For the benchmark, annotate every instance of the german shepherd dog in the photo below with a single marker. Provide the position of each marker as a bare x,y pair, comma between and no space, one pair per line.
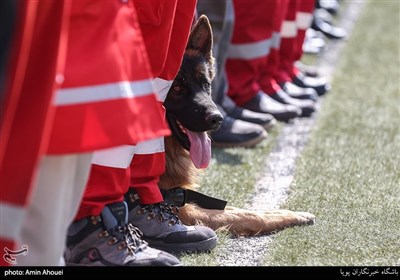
191,114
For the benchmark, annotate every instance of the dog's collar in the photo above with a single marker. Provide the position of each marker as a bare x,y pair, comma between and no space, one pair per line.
179,196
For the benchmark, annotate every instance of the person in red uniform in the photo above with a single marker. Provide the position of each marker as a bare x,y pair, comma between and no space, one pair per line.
134,171
298,19
36,36
253,59
94,54
166,37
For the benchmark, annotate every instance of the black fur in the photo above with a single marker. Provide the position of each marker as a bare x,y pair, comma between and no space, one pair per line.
189,101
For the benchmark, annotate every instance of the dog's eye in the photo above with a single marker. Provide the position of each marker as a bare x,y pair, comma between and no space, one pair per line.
177,88
207,86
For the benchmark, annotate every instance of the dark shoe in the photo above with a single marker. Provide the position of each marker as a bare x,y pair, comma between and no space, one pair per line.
310,47
332,6
108,240
265,120
307,70
300,93
329,30
162,228
307,106
265,104
324,15
313,42
319,84
238,133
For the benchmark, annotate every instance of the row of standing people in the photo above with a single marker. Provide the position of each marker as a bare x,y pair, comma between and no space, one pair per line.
258,45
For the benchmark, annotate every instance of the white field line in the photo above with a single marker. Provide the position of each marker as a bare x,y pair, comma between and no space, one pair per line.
273,188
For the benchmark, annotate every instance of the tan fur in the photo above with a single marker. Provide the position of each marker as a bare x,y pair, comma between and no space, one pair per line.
180,172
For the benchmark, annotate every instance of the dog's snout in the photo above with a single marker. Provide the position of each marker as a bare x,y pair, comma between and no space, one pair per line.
214,120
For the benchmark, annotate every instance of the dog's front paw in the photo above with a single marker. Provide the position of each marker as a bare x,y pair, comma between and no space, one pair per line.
308,216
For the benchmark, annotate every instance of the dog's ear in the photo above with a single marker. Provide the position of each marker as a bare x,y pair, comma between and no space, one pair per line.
201,37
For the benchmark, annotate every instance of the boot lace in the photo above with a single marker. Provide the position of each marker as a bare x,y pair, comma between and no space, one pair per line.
162,212
129,237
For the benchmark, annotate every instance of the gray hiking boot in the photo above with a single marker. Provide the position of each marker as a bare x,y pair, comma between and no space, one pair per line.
108,240
162,228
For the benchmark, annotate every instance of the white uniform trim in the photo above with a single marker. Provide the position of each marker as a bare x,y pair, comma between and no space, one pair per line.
150,146
117,157
276,40
11,220
289,29
121,157
161,87
98,93
303,20
250,50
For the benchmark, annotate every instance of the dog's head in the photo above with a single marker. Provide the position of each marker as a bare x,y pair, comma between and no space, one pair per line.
191,112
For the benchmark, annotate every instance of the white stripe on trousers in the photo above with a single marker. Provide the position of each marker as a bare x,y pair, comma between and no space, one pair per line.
250,51
276,40
121,157
105,92
288,29
303,20
161,87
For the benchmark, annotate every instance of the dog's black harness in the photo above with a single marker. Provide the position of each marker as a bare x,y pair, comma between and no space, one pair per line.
179,196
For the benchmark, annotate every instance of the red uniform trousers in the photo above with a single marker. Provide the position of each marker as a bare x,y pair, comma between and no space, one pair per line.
268,80
249,54
165,27
298,19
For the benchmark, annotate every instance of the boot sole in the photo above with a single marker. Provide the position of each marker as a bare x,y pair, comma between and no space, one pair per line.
179,248
246,144
270,125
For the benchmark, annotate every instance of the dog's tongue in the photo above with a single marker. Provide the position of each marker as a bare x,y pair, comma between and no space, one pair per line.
200,148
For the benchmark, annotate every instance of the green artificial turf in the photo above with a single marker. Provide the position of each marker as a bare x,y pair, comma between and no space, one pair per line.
349,174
